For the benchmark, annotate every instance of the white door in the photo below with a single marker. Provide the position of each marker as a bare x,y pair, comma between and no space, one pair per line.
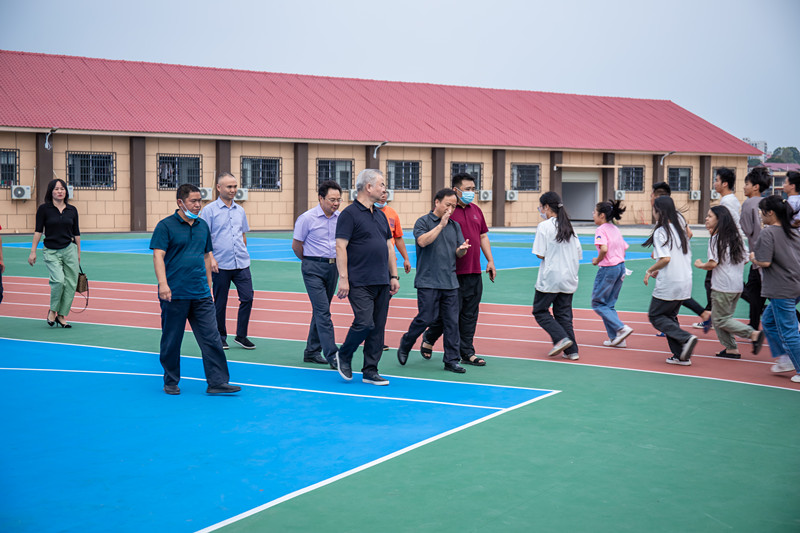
579,192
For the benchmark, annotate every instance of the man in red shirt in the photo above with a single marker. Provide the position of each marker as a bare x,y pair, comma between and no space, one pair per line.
468,270
397,229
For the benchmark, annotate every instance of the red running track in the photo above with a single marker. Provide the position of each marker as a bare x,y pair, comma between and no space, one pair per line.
503,330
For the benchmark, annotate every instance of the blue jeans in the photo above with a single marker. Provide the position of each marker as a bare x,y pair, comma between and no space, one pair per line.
779,323
607,285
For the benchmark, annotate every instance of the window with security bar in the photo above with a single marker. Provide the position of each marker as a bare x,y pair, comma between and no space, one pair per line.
261,173
338,170
402,175
525,177
9,168
473,169
91,170
175,170
631,179
679,178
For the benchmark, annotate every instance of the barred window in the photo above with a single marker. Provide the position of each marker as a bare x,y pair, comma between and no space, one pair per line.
91,170
402,175
9,168
261,173
338,170
525,177
473,169
175,170
679,178
631,179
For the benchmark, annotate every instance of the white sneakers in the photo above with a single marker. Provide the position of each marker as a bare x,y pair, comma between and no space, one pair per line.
622,334
782,364
620,345
560,346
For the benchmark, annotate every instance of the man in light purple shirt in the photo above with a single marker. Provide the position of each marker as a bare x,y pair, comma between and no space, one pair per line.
230,260
314,243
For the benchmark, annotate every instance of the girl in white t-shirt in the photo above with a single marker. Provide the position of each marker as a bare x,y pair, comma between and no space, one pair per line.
673,273
560,251
726,259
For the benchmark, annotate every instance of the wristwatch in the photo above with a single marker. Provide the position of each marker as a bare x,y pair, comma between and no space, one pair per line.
395,277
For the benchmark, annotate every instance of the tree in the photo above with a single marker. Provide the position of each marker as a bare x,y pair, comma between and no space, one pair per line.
785,155
753,162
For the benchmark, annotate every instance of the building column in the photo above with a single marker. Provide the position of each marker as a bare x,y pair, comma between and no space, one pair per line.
658,170
372,162
44,166
300,179
556,158
607,187
223,158
499,188
138,195
438,176
705,187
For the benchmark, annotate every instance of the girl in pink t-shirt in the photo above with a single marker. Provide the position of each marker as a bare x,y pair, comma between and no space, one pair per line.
611,260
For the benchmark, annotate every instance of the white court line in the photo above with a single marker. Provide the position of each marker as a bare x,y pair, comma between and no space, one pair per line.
363,467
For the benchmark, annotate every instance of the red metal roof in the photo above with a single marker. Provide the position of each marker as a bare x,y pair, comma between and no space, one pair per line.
77,93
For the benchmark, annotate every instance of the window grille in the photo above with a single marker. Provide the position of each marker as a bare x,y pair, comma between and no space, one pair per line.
338,170
91,170
175,170
9,168
525,177
679,178
261,173
631,179
473,169
403,175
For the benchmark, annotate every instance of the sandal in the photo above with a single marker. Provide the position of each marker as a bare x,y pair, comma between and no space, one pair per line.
725,354
474,360
758,343
427,353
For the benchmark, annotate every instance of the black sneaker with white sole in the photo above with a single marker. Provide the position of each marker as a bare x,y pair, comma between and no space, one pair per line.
245,343
343,367
374,378
688,347
224,344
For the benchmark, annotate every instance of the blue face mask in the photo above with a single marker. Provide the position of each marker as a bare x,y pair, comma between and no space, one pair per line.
467,196
380,205
188,213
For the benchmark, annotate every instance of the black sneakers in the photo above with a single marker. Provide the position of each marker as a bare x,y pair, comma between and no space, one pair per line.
244,342
223,388
374,378
224,344
344,368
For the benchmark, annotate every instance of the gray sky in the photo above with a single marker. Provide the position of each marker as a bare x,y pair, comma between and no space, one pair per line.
732,62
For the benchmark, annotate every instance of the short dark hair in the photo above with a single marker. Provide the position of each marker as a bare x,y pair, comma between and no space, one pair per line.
759,177
326,186
442,194
661,188
793,177
727,176
460,177
224,175
185,190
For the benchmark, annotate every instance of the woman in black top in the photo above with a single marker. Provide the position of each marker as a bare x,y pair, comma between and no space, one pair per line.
62,249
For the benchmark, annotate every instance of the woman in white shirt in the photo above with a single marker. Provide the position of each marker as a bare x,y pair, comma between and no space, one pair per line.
673,273
726,259
560,251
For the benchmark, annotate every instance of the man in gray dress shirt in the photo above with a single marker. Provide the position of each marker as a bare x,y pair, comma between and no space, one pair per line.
439,242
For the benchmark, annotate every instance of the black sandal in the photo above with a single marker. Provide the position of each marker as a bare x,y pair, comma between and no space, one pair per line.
474,360
725,354
758,343
427,353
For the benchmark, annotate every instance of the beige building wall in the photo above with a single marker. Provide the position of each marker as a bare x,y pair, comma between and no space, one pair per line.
19,216
464,155
636,203
524,212
410,205
356,154
266,209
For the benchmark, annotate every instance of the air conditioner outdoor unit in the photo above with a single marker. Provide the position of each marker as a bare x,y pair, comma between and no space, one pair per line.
694,195
714,195
512,196
70,192
389,195
485,196
241,195
353,194
619,195
21,192
206,194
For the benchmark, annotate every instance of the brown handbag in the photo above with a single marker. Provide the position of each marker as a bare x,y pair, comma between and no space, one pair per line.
82,288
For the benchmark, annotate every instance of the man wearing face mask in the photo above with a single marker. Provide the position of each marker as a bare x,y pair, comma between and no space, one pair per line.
181,245
468,270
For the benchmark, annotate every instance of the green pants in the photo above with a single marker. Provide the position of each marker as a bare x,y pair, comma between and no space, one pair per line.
63,267
723,305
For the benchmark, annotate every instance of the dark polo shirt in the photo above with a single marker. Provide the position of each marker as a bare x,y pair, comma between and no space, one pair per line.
436,263
185,246
366,231
473,225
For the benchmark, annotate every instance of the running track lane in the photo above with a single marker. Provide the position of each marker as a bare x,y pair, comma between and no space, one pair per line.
503,330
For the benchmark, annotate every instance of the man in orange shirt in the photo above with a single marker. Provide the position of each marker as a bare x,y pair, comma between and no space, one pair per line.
397,234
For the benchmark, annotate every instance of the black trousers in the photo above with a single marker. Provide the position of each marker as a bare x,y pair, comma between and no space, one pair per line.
320,280
707,286
752,295
663,315
694,306
370,306
244,286
559,324
470,290
200,314
433,304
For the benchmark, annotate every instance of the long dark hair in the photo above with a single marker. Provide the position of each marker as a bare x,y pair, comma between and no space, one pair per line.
728,239
612,210
783,212
564,231
666,214
48,195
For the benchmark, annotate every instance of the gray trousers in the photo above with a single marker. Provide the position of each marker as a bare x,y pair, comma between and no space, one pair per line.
320,280
723,305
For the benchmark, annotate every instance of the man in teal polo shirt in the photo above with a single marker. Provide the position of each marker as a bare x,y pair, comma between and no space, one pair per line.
181,245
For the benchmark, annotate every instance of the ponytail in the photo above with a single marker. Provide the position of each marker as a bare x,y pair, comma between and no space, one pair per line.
612,210
783,212
564,231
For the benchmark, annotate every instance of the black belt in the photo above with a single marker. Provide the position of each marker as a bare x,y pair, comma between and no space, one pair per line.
331,260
